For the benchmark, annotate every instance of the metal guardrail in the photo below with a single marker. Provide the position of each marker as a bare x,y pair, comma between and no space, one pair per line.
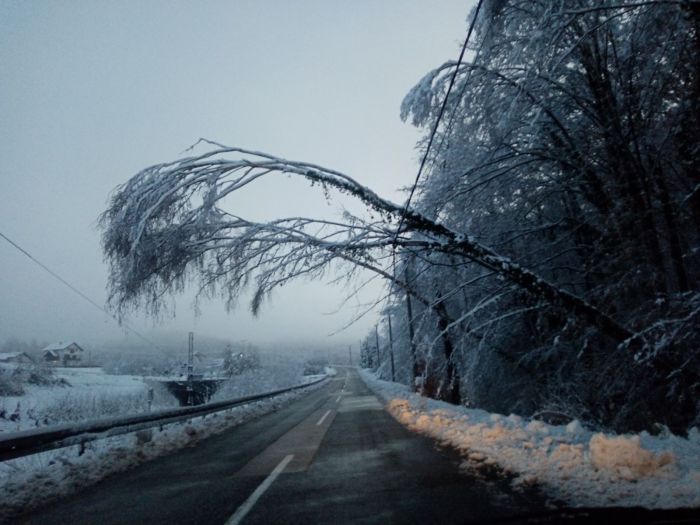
27,442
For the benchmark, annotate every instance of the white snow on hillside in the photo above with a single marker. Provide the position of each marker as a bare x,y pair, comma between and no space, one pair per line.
568,462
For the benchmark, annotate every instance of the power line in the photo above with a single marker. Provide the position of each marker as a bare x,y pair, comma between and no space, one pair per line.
432,138
54,274
465,84
78,292
437,121
430,143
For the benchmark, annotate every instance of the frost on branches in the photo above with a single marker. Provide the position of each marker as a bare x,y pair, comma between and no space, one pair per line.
570,144
550,261
169,224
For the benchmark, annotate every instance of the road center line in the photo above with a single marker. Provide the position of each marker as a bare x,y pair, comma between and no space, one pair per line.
253,498
323,418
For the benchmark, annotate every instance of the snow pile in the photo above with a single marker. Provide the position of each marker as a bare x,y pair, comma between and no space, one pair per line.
33,481
626,457
569,463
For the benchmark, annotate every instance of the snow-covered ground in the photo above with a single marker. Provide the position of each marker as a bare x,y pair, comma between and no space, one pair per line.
569,463
90,393
34,480
85,393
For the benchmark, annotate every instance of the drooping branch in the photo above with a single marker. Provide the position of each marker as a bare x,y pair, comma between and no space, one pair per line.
168,224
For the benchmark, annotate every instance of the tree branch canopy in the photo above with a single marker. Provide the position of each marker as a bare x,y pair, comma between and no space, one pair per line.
570,146
168,225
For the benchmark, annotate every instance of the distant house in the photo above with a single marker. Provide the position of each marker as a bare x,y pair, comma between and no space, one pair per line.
16,358
63,353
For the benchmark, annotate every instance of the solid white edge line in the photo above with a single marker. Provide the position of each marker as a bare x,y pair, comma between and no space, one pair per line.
323,418
241,512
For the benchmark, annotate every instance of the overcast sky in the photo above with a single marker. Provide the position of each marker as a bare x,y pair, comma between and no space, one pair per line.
93,91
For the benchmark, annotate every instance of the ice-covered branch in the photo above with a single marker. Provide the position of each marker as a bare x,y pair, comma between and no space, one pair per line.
168,224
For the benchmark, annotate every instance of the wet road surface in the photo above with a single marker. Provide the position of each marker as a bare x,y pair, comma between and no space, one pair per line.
334,456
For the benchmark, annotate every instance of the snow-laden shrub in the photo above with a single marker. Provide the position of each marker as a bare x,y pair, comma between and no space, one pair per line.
10,382
259,380
14,378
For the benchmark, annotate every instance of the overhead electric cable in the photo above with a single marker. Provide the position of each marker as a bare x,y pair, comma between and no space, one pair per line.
430,142
465,84
432,138
437,121
78,292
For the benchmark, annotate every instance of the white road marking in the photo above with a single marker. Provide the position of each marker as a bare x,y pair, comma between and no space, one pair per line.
338,400
323,418
352,404
255,496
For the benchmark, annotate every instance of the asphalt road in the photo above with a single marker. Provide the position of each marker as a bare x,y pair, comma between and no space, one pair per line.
335,456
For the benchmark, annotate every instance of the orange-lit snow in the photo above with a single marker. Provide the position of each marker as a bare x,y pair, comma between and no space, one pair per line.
568,462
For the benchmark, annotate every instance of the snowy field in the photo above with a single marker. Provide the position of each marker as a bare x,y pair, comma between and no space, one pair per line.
34,480
569,463
90,393
85,393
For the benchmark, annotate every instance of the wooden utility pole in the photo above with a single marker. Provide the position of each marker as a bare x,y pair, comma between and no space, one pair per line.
190,369
376,337
391,350
411,332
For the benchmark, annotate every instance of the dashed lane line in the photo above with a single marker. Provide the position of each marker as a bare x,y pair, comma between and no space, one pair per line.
248,504
323,418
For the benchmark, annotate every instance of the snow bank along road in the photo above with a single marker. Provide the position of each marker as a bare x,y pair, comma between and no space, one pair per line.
335,456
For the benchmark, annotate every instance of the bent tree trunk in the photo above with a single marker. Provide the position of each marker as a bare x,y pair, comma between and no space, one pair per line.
466,247
157,234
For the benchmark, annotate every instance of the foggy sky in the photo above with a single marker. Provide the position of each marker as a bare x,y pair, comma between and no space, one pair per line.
92,92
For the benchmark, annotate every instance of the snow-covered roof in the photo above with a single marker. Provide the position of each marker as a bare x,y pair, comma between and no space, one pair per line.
8,356
59,346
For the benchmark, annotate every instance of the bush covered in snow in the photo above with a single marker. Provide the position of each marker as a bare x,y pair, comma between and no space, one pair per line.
15,378
272,375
